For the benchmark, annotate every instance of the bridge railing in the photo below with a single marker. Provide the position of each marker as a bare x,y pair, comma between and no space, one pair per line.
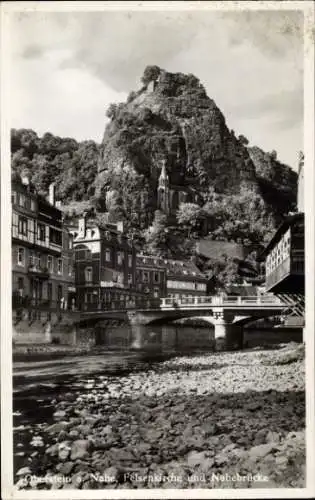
120,305
218,300
185,302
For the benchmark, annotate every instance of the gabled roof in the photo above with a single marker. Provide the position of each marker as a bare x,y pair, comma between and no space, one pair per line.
183,268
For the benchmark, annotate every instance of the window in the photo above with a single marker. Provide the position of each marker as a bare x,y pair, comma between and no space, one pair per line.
49,291
107,255
21,286
119,258
31,259
21,257
88,275
59,266
55,236
22,200
129,279
129,260
156,277
23,226
41,232
33,206
70,270
156,293
13,198
38,260
59,292
49,263
145,276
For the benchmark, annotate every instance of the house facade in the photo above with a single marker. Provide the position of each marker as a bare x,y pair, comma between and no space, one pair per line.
105,262
184,279
284,257
151,276
43,280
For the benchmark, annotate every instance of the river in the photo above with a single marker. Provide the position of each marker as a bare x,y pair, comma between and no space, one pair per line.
41,386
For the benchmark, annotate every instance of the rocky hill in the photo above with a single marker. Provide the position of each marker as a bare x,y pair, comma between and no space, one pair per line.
244,192
171,118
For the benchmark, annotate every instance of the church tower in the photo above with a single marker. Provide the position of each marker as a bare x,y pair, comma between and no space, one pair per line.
164,191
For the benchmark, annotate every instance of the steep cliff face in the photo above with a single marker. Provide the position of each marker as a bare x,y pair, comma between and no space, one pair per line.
277,182
243,192
171,119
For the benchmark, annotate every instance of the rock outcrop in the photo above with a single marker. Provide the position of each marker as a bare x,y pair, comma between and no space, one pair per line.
171,119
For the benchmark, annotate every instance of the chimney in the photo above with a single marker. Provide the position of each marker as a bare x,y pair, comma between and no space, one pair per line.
52,191
82,226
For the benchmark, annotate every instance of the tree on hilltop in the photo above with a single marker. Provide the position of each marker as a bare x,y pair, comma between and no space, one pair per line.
151,73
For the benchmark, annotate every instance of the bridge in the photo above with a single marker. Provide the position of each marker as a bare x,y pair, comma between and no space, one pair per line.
227,314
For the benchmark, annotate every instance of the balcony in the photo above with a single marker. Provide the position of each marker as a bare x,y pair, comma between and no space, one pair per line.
19,302
39,271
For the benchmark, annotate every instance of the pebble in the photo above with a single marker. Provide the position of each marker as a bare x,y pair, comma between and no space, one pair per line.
79,449
191,415
59,414
23,471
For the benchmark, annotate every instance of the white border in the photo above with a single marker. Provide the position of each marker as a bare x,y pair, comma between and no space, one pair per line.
6,314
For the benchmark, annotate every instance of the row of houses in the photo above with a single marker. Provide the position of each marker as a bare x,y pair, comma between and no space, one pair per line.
57,266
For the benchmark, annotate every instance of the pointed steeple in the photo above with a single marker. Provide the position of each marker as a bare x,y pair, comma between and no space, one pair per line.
163,174
163,190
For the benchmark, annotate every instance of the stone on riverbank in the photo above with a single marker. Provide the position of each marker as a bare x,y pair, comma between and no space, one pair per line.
79,449
201,417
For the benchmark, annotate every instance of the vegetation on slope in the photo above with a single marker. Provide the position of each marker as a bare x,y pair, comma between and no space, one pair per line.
243,192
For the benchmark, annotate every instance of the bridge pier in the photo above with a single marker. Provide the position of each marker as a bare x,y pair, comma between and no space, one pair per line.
228,336
144,338
138,333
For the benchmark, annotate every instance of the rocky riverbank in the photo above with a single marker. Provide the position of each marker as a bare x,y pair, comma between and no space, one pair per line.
228,420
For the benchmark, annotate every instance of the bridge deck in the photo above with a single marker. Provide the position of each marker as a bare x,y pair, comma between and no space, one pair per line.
167,305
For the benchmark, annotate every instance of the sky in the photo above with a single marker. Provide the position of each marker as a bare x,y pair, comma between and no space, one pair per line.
66,68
